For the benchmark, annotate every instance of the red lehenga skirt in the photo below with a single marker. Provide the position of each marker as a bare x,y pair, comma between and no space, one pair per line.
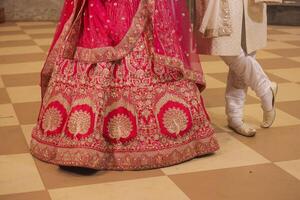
120,96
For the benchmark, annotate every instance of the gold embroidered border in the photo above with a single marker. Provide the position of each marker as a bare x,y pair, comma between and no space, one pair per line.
189,74
94,159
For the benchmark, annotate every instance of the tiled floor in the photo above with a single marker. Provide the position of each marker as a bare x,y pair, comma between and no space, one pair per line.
266,167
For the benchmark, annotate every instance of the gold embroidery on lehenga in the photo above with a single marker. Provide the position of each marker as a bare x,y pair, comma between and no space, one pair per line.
51,119
175,120
79,122
119,126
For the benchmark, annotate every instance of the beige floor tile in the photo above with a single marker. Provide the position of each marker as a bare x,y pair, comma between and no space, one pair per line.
14,37
278,63
22,58
19,50
297,43
275,78
297,59
294,52
12,140
280,45
27,131
286,92
207,58
38,31
26,24
291,166
10,28
291,74
27,112
157,188
19,174
213,83
44,36
291,30
262,54
259,182
252,115
223,77
4,98
28,79
216,97
18,43
220,76
44,41
45,48
17,32
56,177
24,94
275,31
214,67
291,107
8,116
276,143
21,68
1,82
233,153
7,24
39,195
284,37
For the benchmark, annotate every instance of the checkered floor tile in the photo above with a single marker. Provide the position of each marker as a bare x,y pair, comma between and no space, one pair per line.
266,167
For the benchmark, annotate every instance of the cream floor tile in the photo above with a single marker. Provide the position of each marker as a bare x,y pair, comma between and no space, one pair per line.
8,115
4,38
214,67
284,37
292,167
252,115
291,74
157,188
10,28
21,68
279,45
233,153
37,31
27,130
213,83
24,94
286,92
20,50
44,41
265,54
18,173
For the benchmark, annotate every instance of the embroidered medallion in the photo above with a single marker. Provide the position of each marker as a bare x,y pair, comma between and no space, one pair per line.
81,121
119,125
54,118
173,116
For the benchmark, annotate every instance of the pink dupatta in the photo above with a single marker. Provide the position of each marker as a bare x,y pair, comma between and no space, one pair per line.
94,31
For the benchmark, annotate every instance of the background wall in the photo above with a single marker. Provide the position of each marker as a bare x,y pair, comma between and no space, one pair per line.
28,10
35,10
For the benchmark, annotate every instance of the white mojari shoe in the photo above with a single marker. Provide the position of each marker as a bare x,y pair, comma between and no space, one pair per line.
244,129
269,116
